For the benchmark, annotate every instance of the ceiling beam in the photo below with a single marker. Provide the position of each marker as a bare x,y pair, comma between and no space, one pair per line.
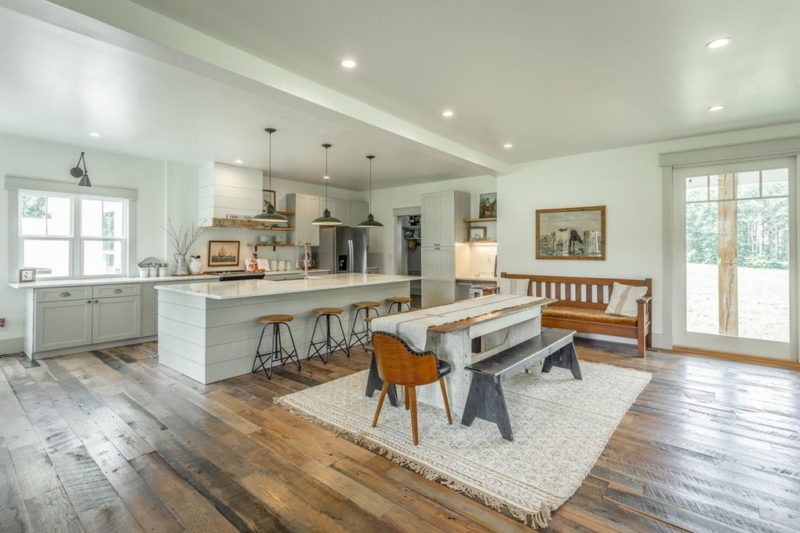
135,28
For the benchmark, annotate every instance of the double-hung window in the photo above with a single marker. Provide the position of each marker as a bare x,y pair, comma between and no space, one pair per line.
66,236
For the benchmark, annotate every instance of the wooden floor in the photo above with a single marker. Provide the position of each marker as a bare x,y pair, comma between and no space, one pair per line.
111,441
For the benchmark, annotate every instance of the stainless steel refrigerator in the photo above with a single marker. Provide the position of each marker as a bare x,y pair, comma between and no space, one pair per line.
342,249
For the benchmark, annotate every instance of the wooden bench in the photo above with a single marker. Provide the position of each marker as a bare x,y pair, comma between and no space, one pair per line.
486,400
580,304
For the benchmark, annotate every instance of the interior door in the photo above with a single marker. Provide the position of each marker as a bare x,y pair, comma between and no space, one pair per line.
734,258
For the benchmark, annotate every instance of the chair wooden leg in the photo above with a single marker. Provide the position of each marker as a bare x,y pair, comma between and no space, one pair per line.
405,396
414,432
384,390
446,402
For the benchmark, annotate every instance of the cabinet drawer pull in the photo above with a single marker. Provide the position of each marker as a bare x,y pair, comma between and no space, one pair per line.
65,294
97,301
117,291
88,301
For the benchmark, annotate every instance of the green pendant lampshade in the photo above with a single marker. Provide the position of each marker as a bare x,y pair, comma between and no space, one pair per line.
370,222
269,214
326,219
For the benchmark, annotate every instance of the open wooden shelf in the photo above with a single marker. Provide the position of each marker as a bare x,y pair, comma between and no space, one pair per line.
471,220
258,245
285,213
247,224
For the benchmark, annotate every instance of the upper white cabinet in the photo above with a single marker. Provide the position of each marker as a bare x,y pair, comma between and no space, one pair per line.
443,215
306,208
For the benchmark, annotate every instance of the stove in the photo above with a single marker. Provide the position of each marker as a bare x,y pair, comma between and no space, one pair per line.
236,275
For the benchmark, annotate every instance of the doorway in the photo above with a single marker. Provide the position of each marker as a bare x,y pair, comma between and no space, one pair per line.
408,249
734,258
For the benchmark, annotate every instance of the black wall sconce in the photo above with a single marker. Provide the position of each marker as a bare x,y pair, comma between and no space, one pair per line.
82,173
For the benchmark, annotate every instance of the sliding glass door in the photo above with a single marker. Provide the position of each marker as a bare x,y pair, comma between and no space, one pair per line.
734,259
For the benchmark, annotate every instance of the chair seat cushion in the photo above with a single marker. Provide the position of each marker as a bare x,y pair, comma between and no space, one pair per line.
587,315
444,368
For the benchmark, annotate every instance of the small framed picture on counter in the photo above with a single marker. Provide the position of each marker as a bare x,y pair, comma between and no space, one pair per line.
27,275
223,253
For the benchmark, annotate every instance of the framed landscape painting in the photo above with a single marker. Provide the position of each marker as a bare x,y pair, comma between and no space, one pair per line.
223,253
487,206
571,233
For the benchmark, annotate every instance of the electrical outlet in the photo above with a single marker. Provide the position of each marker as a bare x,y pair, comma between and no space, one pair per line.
2,324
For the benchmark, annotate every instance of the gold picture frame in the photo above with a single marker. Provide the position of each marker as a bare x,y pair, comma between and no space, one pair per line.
221,253
571,233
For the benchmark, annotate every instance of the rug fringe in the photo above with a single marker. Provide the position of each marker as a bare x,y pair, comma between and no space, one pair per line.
536,520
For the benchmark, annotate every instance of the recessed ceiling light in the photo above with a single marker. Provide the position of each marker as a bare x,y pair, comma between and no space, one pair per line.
349,63
718,43
447,113
326,177
717,107
94,134
238,161
508,146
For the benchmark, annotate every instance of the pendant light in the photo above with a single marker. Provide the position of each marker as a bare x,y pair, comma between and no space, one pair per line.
326,219
269,214
370,222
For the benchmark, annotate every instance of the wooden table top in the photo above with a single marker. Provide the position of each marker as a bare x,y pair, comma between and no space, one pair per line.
466,323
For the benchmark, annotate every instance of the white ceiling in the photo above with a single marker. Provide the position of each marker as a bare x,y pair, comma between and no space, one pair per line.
61,85
552,76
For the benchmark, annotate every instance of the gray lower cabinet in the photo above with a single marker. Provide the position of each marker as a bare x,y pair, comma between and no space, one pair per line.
74,317
63,324
115,319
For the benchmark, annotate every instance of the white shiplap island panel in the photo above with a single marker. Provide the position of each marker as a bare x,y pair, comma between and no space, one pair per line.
208,331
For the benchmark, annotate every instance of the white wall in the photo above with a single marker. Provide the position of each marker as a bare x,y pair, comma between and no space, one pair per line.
384,201
52,161
628,182
167,190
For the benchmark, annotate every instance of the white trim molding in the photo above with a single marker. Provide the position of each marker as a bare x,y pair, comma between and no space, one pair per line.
36,184
734,152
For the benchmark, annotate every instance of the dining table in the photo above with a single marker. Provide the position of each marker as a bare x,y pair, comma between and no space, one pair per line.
464,333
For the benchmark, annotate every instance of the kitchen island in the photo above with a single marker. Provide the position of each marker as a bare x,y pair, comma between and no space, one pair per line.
208,331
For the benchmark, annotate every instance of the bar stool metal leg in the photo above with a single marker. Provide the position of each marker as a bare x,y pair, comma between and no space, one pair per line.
293,353
313,345
363,336
343,343
263,361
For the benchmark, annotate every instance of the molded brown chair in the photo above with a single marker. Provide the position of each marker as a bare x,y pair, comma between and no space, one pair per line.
398,364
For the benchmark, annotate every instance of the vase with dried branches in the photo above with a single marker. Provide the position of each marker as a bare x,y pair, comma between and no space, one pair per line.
181,239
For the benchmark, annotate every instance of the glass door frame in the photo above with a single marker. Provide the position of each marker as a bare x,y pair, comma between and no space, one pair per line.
721,343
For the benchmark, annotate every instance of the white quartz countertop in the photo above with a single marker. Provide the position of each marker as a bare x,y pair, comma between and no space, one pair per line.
47,284
228,290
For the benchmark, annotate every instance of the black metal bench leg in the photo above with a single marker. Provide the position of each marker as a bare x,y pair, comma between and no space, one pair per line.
485,400
567,358
375,383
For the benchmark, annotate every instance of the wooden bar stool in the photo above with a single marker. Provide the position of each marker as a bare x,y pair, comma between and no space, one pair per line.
398,301
328,342
398,364
263,361
362,336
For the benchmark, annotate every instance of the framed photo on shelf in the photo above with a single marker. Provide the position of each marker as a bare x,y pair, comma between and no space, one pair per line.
577,233
270,198
477,233
223,253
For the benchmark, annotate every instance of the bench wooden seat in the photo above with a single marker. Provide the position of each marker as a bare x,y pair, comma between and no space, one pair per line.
580,304
485,400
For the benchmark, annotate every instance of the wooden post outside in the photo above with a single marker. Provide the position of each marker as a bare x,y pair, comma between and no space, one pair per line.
728,255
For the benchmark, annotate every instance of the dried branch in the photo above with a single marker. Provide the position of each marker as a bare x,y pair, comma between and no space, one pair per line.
182,239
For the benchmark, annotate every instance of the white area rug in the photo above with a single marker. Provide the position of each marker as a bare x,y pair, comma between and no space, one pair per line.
560,424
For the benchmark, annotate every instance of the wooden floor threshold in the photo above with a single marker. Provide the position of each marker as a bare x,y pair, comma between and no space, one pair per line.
730,356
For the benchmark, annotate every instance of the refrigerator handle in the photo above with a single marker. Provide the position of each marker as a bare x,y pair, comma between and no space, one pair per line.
350,264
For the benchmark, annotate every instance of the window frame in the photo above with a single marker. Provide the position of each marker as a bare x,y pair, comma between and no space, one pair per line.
76,240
